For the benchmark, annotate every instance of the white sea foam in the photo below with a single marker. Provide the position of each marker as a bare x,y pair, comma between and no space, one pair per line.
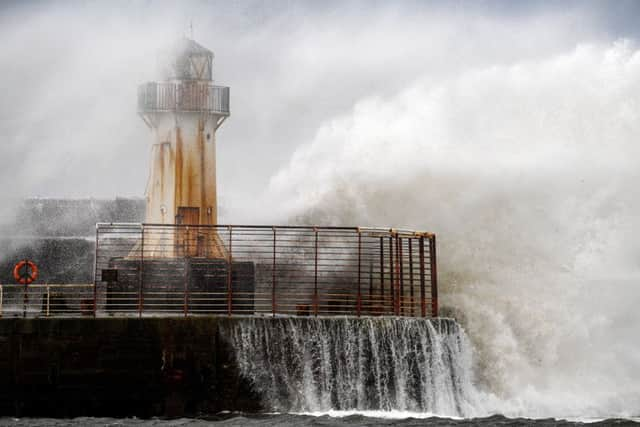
401,415
528,172
393,415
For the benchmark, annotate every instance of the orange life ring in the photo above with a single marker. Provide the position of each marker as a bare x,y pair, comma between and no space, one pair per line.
25,279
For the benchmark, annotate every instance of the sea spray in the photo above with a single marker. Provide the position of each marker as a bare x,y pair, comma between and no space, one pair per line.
321,364
527,171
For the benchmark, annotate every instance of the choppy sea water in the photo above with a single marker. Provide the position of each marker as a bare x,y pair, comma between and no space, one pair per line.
352,420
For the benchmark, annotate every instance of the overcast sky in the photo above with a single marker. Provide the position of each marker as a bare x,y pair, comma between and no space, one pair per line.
70,71
509,128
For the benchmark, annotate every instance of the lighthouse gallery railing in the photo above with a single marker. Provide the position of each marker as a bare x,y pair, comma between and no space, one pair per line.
187,96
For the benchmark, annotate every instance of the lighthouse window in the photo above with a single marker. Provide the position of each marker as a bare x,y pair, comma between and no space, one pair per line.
208,136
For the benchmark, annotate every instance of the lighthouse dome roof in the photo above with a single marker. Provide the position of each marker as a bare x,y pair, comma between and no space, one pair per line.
191,47
186,59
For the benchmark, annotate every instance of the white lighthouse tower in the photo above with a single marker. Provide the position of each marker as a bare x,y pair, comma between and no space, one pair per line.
184,111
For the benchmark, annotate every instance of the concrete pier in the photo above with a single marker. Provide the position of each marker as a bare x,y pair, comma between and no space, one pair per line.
118,367
201,365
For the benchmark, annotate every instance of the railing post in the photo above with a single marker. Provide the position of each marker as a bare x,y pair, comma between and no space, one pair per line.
411,292
273,278
1,299
95,275
26,300
229,284
370,300
49,300
392,281
400,275
423,305
141,275
359,302
434,276
187,267
382,273
25,295
315,275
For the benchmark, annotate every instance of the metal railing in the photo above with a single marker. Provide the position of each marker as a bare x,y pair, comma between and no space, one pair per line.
187,96
225,269
47,300
159,270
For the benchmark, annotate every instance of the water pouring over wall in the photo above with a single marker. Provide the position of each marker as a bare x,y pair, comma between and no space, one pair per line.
321,364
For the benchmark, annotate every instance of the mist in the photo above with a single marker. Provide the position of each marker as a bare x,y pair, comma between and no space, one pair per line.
71,70
509,130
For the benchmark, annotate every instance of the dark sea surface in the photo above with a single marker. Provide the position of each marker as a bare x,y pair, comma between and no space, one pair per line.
309,420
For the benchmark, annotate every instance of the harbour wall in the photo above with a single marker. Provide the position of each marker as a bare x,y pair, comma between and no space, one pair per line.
145,367
118,367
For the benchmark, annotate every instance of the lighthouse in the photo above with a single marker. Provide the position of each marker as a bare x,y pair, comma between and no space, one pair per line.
183,112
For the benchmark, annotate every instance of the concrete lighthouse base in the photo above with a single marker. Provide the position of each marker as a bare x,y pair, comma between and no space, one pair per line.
195,285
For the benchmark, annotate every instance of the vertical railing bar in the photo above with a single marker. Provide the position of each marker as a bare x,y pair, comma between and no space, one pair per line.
95,274
273,278
1,298
25,295
370,300
434,275
382,273
49,299
392,276
411,292
141,275
186,275
400,275
423,307
359,303
229,285
315,279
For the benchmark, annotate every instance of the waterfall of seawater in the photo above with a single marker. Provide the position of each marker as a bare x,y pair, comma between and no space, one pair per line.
321,364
